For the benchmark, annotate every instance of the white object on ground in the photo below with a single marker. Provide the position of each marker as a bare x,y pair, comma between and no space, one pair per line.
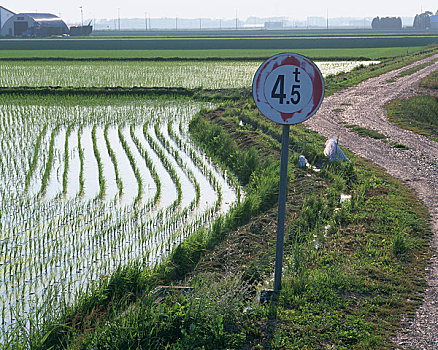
303,161
332,150
345,197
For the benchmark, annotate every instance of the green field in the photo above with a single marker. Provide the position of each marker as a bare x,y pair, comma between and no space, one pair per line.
227,44
215,43
257,54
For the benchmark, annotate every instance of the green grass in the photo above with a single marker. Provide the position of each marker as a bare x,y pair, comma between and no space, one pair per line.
359,74
431,81
415,69
399,145
215,42
257,54
361,131
418,113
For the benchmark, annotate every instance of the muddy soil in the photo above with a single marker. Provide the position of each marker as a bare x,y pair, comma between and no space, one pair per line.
363,105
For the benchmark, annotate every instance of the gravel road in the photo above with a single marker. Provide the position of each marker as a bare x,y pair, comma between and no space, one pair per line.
418,166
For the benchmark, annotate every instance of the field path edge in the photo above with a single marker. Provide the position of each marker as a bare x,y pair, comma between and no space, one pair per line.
363,105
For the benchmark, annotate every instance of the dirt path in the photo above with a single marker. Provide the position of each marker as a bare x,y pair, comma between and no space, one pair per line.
418,166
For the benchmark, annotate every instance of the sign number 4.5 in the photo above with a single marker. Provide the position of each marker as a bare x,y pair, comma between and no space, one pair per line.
285,89
279,86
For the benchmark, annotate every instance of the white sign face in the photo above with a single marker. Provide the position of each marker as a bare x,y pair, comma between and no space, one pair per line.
288,88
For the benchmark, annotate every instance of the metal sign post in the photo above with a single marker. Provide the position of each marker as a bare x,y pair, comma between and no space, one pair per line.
281,208
287,89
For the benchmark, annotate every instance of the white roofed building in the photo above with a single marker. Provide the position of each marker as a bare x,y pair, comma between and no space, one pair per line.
33,25
5,14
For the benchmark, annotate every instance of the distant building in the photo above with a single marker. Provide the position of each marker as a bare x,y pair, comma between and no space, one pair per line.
274,25
5,14
30,25
81,30
387,23
434,22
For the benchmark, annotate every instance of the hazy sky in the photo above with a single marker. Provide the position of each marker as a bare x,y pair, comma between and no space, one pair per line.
294,9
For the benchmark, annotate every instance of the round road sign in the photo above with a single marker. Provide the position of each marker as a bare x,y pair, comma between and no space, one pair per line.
288,88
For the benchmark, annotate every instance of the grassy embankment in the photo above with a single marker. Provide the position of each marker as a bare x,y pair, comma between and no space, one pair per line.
351,270
418,113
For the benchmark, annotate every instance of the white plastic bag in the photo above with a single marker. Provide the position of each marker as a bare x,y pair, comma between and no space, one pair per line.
333,152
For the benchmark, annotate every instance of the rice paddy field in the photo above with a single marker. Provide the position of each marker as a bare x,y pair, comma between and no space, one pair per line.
92,186
187,74
90,183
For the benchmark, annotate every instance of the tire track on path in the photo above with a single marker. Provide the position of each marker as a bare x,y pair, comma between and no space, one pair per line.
363,105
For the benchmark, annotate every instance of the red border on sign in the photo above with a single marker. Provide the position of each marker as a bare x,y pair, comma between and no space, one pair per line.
288,59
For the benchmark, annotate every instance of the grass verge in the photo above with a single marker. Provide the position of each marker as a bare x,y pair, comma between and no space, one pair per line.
361,131
415,69
417,113
359,74
431,81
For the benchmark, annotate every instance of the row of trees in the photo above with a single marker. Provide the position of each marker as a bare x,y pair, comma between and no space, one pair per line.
421,22
387,23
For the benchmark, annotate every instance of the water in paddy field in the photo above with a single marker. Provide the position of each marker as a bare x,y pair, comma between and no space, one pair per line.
229,195
74,165
168,189
111,189
187,187
149,187
36,179
54,187
333,67
55,245
207,193
91,173
127,176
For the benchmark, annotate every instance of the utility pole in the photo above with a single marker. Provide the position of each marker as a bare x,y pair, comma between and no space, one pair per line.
146,21
200,24
176,23
327,20
236,19
118,12
82,16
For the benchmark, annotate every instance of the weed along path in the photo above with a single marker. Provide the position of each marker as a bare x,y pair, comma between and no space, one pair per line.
410,157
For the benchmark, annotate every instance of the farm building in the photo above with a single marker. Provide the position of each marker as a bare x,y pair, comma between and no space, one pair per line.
33,25
434,21
274,25
5,14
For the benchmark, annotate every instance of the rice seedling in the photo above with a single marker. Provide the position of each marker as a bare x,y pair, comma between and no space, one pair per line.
55,248
210,75
99,164
66,161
